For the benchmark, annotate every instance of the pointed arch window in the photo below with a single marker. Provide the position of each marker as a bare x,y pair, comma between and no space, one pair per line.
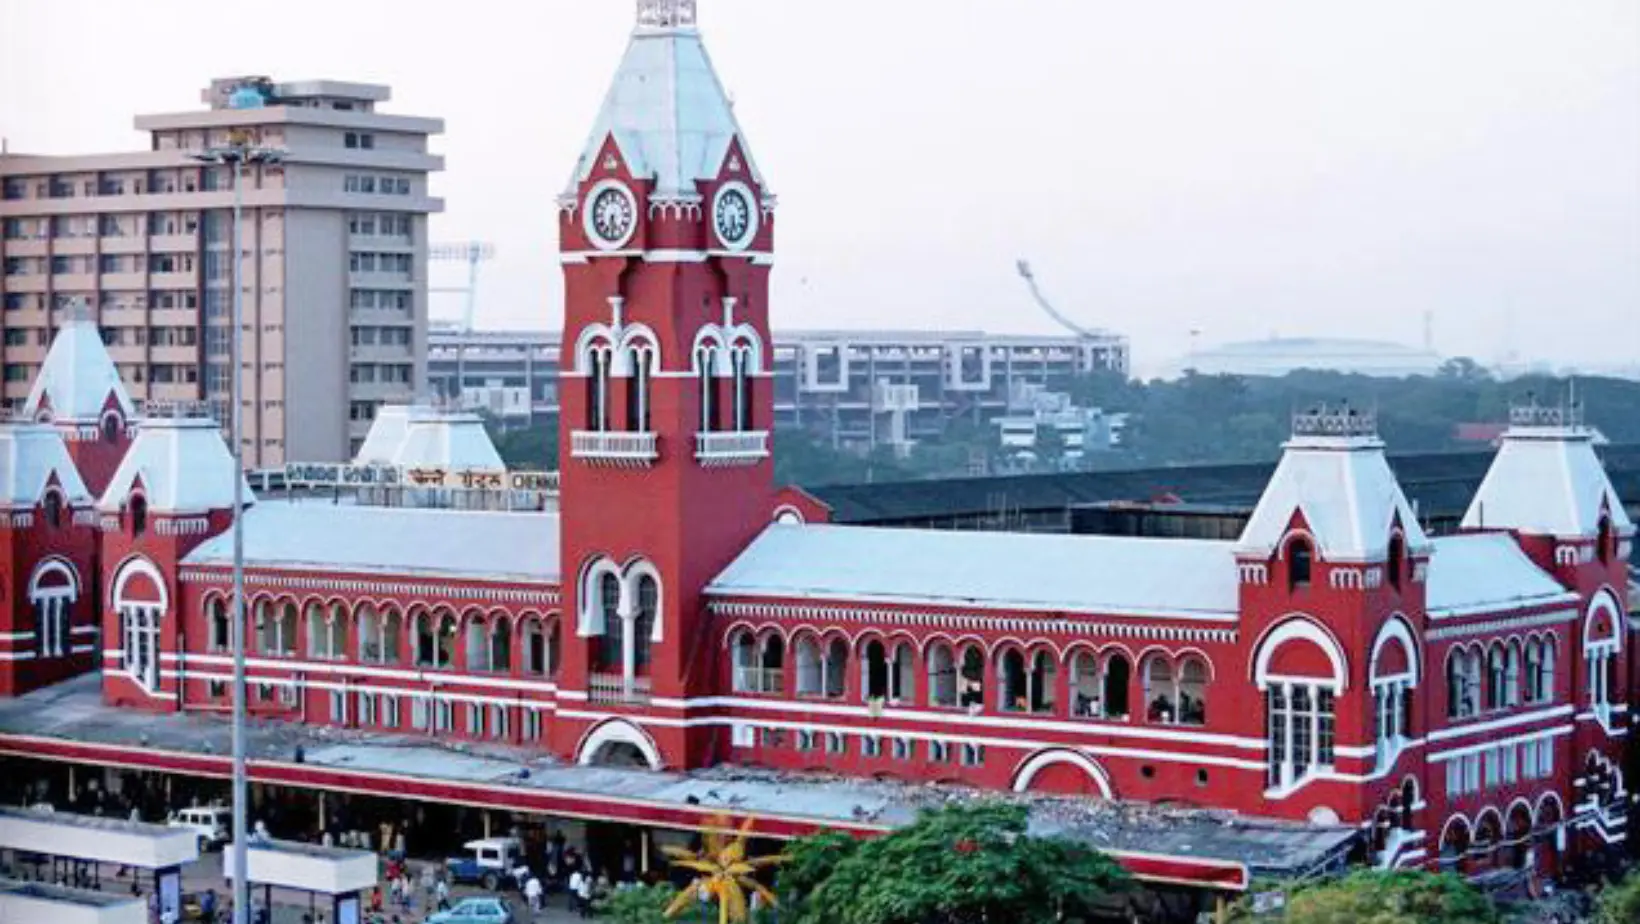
1300,563
1396,565
138,509
599,360
643,620
743,369
639,359
612,643
1604,546
53,507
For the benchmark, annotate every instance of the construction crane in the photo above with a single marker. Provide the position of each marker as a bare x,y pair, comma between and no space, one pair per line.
472,253
1042,300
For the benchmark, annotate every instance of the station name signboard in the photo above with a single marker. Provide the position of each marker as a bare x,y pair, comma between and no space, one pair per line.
330,475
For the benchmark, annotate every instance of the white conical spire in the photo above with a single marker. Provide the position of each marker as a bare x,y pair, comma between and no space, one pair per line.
1333,473
1546,479
78,376
666,108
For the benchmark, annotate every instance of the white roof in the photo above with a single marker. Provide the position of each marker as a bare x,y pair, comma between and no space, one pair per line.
668,112
183,464
77,376
1546,481
1347,494
1486,572
29,455
1017,571
420,437
321,536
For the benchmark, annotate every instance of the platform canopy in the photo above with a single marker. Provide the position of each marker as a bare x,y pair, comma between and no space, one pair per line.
104,840
308,867
37,901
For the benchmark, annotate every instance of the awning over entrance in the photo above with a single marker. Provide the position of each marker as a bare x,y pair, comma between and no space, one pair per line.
308,868
100,840
70,723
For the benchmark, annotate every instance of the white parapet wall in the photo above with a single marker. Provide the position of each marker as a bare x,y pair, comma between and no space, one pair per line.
308,868
29,902
105,840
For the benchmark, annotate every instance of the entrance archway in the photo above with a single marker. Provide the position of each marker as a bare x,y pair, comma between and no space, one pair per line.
618,743
1063,773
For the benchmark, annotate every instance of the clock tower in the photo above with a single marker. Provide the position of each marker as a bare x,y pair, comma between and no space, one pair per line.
667,240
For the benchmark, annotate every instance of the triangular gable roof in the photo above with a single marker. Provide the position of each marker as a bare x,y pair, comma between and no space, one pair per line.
31,457
78,377
1546,481
182,466
1345,491
668,113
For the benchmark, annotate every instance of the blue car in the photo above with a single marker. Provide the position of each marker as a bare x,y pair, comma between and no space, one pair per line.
475,911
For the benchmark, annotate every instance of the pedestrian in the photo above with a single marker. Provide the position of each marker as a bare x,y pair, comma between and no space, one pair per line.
583,894
574,889
532,893
442,890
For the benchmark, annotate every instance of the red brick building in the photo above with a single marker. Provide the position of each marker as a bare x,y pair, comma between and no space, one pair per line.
1463,699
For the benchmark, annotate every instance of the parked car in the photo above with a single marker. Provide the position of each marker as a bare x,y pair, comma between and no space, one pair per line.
490,863
475,911
209,822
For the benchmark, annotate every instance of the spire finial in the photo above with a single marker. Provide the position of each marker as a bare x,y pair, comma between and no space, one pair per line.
666,14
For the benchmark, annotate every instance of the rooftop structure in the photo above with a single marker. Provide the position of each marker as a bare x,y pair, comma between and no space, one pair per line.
1279,356
140,240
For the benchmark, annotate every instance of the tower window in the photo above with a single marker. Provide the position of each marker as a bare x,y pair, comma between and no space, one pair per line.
1603,541
139,515
1397,560
1300,564
53,505
637,391
598,392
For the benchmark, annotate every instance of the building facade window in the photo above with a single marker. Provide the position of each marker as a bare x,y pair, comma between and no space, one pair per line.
1300,731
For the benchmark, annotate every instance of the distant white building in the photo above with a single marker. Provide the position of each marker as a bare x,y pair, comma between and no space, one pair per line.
1279,356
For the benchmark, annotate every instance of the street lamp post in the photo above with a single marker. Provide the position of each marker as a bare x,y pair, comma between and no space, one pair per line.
236,155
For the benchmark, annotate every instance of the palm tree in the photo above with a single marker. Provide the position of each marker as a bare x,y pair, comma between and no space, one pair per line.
724,874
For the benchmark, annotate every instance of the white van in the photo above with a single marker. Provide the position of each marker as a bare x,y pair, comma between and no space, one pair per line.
209,822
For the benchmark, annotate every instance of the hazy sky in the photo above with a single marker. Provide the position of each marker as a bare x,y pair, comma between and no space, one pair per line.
1302,167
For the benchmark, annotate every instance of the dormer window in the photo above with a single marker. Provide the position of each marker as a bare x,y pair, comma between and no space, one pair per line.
1300,564
138,510
1603,541
1396,564
111,428
53,506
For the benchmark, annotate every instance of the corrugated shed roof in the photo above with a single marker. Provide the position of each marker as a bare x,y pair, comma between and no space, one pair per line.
1485,572
668,113
77,376
1347,494
1097,575
30,454
183,465
318,536
1546,481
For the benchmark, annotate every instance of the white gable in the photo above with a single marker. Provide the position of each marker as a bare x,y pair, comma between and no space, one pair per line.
1546,481
668,112
420,437
320,536
1345,491
77,377
184,467
1033,572
29,455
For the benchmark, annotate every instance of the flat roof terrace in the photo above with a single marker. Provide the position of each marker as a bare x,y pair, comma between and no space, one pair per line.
69,722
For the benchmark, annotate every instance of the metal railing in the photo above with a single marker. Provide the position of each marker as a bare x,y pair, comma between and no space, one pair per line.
631,450
738,448
767,680
606,689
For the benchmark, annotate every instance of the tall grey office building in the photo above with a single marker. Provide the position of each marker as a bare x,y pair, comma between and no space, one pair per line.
335,261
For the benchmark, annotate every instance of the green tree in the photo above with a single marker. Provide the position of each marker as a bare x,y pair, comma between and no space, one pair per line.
959,865
643,905
1374,897
1619,903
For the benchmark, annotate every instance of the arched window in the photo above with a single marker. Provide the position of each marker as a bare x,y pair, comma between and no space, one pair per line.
1118,675
743,652
337,627
392,630
111,427
448,628
811,679
370,635
612,643
1161,704
637,389
706,369
1300,562
138,508
266,629
53,507
1511,675
971,678
836,669
216,612
1462,684
535,647
1546,671
599,361
772,664
942,676
1087,692
318,636
1496,668
1015,689
1042,680
743,369
1396,562
287,630
643,620
1603,544
875,667
554,647
478,643
902,680
501,644
1193,691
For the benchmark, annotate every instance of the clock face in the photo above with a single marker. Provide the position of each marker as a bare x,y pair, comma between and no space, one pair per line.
734,215
611,215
